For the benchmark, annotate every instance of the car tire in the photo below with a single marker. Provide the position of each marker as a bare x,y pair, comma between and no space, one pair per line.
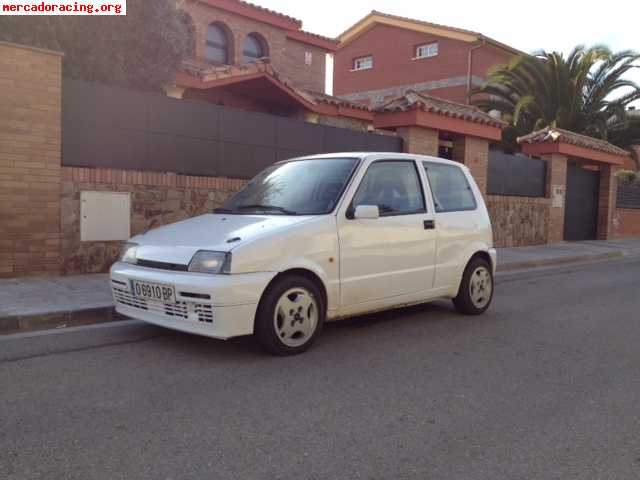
476,288
290,315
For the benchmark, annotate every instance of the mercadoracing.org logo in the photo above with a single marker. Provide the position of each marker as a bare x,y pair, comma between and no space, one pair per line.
63,7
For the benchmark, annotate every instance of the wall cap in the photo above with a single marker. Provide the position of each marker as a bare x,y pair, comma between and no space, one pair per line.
32,48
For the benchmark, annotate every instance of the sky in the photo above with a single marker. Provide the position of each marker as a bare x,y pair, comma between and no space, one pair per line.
556,25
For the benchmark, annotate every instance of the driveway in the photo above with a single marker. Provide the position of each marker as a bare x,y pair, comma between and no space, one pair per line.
546,386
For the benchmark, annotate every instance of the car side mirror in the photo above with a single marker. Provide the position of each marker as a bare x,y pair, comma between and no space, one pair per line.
367,211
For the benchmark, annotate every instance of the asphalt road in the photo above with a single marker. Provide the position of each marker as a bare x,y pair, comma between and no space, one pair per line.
546,386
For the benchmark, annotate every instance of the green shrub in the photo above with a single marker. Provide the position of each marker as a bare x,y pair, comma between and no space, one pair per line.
628,177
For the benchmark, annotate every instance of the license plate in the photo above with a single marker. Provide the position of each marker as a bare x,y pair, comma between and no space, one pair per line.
154,291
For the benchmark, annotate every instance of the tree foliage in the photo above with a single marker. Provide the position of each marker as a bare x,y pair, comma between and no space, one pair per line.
141,50
586,92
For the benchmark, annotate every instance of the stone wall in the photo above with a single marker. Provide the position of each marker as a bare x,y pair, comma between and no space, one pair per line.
30,145
519,221
156,199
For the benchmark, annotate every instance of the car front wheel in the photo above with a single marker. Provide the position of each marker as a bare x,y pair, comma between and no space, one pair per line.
476,288
290,316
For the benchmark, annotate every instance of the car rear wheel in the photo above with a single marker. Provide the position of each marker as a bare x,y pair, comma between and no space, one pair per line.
476,288
290,316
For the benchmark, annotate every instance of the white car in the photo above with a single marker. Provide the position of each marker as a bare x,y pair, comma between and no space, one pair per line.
313,239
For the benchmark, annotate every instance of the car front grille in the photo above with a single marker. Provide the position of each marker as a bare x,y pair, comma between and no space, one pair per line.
175,267
184,310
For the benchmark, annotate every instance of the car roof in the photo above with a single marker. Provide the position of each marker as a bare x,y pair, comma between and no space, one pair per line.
372,156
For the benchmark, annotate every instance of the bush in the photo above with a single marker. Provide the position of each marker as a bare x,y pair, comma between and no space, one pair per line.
628,177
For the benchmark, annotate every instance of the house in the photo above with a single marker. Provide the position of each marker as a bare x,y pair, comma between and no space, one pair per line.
255,59
233,32
382,56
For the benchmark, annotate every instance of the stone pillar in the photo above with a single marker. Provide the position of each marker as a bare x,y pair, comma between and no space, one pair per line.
30,151
606,201
419,140
557,191
474,153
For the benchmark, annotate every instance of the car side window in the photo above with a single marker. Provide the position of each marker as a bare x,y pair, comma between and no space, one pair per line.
393,186
450,188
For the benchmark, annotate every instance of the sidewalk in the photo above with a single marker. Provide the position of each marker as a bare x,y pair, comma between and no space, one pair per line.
43,303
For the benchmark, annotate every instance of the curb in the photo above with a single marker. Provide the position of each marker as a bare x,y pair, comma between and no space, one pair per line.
58,320
91,316
552,262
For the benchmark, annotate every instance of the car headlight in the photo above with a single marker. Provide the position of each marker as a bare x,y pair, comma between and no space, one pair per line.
128,254
210,262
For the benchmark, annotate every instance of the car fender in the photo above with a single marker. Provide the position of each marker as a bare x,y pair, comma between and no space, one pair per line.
312,246
330,283
470,250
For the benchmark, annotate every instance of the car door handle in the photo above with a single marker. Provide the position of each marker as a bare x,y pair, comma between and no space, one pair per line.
429,224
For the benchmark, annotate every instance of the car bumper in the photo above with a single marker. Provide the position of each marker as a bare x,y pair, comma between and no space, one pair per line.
218,306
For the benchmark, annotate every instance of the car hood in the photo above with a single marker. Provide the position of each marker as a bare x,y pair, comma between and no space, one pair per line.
178,242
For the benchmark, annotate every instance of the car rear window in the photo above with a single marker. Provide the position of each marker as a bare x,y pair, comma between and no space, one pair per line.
450,188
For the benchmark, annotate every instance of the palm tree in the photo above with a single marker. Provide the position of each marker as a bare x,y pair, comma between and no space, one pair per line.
584,92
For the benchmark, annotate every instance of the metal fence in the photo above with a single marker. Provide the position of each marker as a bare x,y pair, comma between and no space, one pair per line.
112,127
628,196
516,175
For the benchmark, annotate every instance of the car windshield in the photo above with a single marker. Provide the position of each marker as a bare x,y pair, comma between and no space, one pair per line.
299,187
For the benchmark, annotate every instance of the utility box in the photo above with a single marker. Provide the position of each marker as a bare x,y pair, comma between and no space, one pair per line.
105,216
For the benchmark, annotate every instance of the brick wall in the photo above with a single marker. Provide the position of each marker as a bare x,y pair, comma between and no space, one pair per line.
626,223
419,140
474,153
156,199
30,105
393,49
556,177
518,221
286,55
293,65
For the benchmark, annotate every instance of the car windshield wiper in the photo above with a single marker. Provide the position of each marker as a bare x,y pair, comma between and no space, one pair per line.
222,210
267,208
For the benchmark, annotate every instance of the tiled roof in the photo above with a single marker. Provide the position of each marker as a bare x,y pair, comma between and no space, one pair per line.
337,101
558,135
267,10
209,73
321,37
413,100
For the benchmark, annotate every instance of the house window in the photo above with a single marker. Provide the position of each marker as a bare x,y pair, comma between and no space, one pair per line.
217,46
363,63
308,58
255,47
427,50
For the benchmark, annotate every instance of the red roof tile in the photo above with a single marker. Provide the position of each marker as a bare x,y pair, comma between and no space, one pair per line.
413,100
558,135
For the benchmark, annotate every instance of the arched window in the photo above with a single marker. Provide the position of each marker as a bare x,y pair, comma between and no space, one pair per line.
217,47
255,47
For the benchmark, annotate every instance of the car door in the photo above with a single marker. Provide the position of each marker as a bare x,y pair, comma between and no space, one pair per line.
455,215
393,255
